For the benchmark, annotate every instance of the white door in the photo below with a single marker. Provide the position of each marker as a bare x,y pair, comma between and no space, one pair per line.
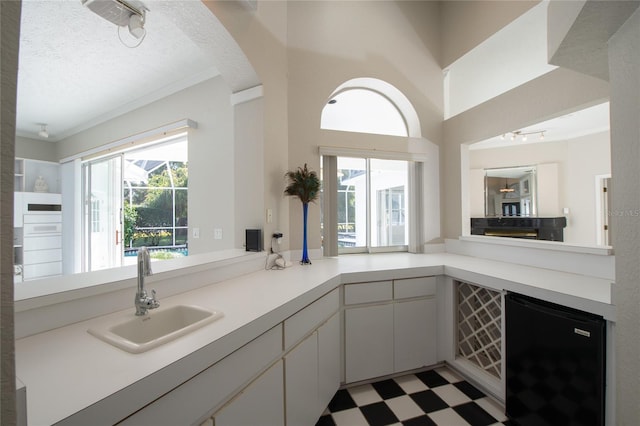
103,213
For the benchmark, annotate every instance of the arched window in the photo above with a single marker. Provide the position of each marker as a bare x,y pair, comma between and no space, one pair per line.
371,200
364,111
368,105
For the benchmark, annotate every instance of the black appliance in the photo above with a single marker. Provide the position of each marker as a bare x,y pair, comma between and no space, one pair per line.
253,239
555,364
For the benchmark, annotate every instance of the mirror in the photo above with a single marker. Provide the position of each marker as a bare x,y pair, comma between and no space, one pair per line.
195,90
569,159
510,192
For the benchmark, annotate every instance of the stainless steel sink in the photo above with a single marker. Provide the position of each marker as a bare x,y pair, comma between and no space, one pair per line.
139,334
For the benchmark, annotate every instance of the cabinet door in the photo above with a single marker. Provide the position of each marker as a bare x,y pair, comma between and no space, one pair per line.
414,324
261,403
368,342
328,361
301,382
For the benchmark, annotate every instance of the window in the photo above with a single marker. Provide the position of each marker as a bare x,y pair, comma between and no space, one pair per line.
372,204
136,198
363,110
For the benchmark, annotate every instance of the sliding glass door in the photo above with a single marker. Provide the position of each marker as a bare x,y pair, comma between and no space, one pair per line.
103,213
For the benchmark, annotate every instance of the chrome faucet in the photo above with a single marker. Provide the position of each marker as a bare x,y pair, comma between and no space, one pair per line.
142,301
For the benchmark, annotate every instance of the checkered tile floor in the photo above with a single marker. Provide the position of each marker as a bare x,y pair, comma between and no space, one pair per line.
436,397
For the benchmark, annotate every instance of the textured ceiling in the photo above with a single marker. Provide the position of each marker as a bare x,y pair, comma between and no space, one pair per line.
74,71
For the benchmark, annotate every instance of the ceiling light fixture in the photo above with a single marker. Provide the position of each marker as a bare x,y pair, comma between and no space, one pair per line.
129,13
524,135
136,26
506,187
43,133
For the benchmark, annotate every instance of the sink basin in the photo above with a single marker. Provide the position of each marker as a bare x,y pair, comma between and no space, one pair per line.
139,334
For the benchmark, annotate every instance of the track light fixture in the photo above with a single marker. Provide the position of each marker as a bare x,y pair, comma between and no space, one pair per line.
523,135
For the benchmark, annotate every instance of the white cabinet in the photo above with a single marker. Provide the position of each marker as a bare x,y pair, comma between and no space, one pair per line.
329,355
301,379
193,399
389,329
260,403
312,367
414,334
369,342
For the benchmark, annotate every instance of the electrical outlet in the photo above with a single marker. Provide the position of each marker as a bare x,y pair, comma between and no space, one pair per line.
217,234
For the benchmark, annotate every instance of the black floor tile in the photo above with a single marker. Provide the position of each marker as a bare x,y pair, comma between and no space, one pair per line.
474,414
428,401
420,421
326,420
388,389
432,379
379,414
341,401
469,390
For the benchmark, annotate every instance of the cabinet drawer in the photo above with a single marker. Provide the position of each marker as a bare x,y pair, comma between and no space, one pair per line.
378,291
42,256
414,287
42,243
308,319
187,403
43,218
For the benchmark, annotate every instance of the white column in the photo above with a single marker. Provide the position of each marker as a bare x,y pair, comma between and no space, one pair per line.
624,73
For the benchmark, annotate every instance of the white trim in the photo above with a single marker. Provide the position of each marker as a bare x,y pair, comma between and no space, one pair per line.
540,244
247,95
167,128
367,153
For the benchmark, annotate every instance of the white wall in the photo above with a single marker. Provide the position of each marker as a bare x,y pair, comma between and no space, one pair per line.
211,154
36,149
249,170
498,62
624,72
333,42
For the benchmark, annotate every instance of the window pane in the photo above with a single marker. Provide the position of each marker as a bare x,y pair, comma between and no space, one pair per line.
352,202
389,195
181,207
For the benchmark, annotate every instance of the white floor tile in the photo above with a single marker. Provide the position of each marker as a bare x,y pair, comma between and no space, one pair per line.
451,395
448,374
411,384
350,417
493,408
404,408
364,395
448,417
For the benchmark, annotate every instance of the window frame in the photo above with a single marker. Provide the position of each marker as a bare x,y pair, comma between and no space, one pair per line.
414,208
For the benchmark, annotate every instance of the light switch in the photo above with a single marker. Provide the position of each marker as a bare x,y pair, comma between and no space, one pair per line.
196,232
217,234
269,215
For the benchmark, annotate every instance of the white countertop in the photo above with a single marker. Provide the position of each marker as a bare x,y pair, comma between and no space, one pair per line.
67,370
